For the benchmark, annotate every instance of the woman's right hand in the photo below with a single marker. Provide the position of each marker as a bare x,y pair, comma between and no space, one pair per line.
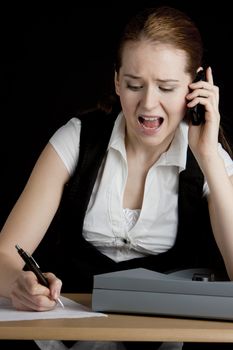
28,294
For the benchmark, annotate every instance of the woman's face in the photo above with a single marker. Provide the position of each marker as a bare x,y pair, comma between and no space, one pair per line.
152,85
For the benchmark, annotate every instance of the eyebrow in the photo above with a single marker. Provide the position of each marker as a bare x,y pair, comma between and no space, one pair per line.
159,80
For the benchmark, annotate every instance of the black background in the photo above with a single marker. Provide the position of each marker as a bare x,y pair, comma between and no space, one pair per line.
57,60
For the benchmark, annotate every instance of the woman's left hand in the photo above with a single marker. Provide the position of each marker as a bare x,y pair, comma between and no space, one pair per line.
203,139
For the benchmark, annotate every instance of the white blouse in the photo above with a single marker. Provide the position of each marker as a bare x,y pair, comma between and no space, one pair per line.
122,233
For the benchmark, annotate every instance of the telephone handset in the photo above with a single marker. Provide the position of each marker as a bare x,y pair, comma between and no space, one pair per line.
197,113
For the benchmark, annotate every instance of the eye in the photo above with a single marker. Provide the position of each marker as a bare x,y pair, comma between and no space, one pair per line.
134,87
166,89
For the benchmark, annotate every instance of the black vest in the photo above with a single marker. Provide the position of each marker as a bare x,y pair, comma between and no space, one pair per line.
76,260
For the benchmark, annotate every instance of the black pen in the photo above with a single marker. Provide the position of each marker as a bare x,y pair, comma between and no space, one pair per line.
34,267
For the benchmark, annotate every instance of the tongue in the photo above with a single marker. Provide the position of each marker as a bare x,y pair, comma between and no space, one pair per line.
151,124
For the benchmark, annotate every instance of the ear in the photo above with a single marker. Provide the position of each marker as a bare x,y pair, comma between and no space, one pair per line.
116,81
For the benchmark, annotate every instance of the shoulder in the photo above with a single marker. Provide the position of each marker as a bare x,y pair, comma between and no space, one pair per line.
66,141
67,134
228,162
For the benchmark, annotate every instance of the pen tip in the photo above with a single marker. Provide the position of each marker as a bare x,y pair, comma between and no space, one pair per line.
60,302
17,247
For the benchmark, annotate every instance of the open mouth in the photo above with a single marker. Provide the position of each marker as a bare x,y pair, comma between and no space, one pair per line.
150,122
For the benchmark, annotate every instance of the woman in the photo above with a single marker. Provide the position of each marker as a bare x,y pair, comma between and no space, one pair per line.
145,187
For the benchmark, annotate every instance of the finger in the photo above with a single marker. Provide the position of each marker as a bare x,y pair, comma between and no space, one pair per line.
204,97
55,285
202,100
35,302
29,284
209,76
201,84
28,294
199,93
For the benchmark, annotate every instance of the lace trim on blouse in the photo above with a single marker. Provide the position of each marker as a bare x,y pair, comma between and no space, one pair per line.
130,218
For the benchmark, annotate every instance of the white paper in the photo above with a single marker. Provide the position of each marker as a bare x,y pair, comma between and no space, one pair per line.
71,309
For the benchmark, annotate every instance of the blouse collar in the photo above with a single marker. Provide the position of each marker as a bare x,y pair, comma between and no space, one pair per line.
176,155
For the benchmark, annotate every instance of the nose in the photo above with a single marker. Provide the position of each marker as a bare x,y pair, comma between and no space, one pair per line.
150,98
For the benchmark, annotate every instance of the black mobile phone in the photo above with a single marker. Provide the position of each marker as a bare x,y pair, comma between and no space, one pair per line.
197,113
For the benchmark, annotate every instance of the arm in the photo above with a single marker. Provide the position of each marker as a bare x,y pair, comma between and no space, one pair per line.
26,226
203,141
220,202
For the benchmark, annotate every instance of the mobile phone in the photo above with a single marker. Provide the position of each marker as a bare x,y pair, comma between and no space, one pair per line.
197,113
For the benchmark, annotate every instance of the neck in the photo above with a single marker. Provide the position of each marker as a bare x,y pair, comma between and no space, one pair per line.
149,154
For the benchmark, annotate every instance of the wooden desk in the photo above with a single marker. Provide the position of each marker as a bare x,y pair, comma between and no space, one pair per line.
119,328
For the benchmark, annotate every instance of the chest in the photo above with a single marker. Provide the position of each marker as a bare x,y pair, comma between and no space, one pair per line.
133,191
118,186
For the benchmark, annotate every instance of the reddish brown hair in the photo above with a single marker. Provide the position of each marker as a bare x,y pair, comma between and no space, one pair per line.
165,25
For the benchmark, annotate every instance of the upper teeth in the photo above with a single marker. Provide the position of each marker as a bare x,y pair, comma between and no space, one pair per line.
150,118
